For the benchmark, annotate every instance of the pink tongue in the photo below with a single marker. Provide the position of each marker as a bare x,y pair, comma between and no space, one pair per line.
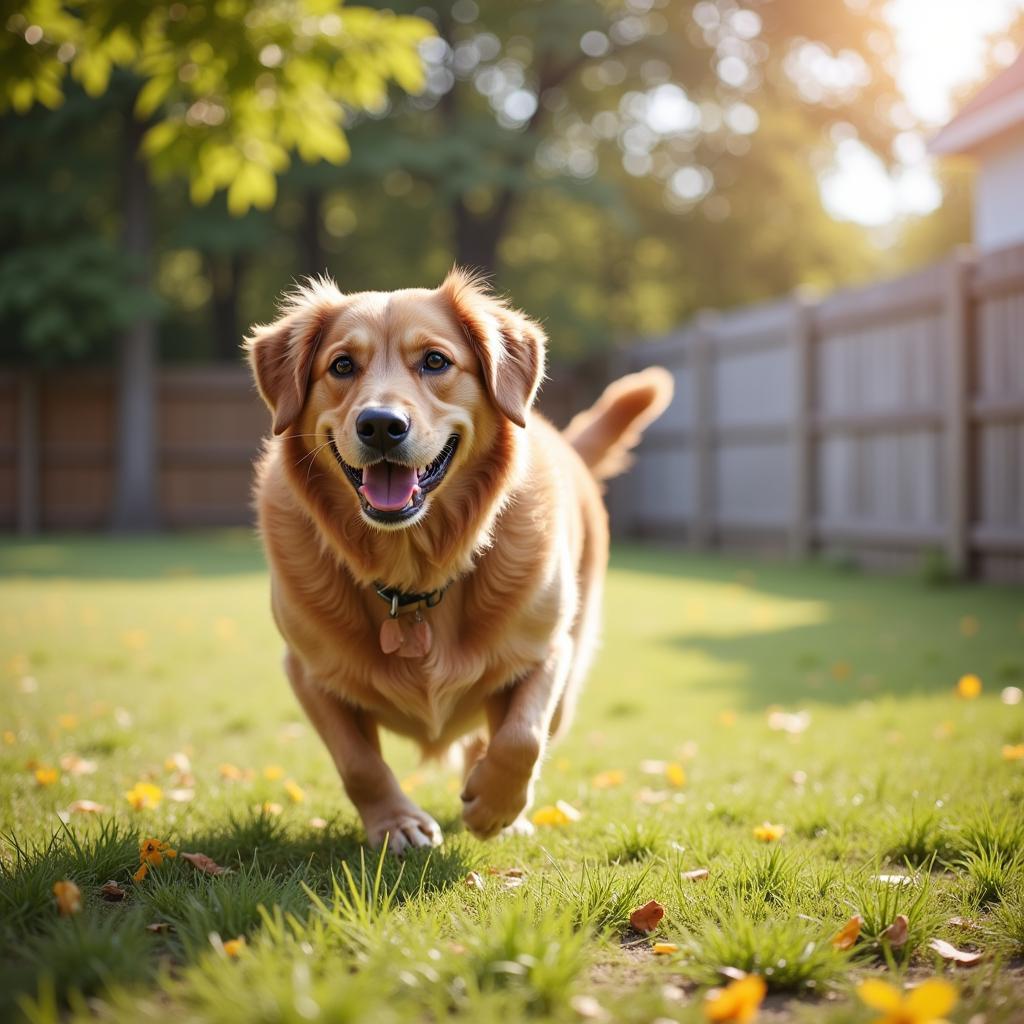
387,487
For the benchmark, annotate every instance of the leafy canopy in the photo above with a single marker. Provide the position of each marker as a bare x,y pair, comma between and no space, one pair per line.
230,89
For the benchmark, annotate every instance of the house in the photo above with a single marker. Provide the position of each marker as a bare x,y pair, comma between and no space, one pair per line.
990,128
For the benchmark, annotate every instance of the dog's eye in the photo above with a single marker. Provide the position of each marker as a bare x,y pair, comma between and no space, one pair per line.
435,362
342,366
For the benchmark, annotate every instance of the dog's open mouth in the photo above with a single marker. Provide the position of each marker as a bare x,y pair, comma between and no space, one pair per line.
391,492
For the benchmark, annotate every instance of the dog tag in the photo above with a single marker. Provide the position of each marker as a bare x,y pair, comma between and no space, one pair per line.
417,640
392,636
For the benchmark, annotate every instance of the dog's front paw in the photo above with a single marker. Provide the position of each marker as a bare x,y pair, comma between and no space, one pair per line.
492,801
405,827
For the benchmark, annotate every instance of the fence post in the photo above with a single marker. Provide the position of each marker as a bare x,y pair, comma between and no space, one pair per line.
703,353
957,316
28,453
801,534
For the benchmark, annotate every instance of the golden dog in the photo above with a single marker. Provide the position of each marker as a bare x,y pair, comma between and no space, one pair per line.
437,553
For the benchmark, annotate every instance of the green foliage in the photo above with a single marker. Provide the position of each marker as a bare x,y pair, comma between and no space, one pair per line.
230,89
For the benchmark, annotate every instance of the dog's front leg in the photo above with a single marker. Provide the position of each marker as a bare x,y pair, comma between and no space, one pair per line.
499,787
351,737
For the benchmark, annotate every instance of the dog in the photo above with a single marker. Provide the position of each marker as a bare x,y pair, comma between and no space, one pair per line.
437,552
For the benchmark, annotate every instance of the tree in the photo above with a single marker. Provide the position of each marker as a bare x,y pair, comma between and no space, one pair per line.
223,94
560,98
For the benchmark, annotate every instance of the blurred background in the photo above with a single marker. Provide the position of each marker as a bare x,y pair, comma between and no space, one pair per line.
772,197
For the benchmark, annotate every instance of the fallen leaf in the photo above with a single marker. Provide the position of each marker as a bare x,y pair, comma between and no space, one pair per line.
896,933
848,934
177,762
664,948
738,1001
560,813
68,896
949,952
793,723
207,865
588,1008
895,879
112,892
158,927
652,796
85,807
647,917
964,922
697,875
474,881
652,767
75,765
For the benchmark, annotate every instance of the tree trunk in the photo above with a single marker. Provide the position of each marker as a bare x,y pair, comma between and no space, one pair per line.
135,503
311,251
226,272
476,238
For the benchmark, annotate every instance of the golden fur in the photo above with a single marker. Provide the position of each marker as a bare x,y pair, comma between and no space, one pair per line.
517,528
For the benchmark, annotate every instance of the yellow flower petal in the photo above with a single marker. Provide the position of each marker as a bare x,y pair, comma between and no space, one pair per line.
769,833
294,791
46,776
968,687
234,947
930,1000
674,774
141,873
880,995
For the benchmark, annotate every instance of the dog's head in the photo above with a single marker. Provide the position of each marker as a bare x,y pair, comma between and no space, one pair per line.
406,389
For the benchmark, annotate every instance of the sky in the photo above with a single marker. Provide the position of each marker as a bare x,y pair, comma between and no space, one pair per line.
941,46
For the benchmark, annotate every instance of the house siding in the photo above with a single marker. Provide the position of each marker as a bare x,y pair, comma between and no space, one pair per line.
999,194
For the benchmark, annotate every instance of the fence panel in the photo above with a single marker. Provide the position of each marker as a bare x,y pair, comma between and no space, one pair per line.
881,421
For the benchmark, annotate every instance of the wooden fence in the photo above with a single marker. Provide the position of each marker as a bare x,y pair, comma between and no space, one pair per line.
57,448
880,422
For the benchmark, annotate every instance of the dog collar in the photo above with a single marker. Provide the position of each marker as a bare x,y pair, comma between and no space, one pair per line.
398,599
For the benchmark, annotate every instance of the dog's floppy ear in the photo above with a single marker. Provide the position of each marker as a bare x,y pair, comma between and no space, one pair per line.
281,354
509,344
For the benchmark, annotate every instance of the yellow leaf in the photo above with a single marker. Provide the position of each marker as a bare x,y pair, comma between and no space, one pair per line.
738,1001
69,898
848,934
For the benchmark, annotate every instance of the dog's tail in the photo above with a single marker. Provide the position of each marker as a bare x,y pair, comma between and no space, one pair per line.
604,434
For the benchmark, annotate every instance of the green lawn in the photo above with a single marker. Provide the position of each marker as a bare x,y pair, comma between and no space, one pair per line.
157,662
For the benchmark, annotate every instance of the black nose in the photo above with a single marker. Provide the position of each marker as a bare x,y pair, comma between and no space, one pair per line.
382,429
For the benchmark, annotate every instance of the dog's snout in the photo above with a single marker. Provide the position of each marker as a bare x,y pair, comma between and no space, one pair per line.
382,429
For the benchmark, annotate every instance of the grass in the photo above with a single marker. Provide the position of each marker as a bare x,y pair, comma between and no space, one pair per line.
156,661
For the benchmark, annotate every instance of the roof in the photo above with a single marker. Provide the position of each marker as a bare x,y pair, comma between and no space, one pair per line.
995,109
